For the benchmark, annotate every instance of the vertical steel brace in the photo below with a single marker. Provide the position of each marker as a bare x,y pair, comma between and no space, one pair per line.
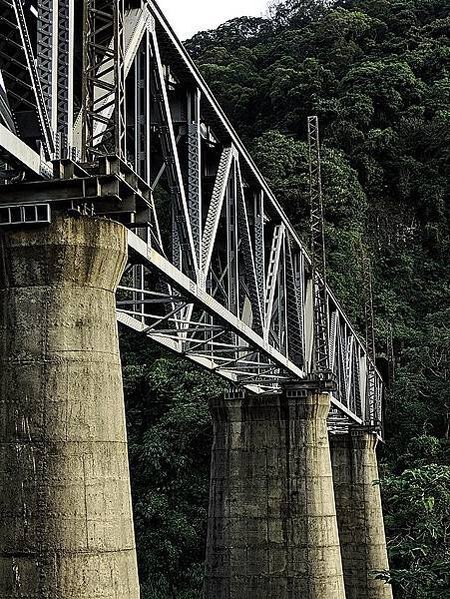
104,80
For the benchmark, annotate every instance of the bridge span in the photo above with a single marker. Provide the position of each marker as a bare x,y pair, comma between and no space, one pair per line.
121,177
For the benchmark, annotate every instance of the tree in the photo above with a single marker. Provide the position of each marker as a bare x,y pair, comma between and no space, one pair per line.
169,431
417,513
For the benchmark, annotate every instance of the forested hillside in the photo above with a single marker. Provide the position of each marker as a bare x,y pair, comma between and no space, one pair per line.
377,73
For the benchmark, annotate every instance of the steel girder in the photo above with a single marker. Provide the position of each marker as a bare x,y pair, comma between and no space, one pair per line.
217,273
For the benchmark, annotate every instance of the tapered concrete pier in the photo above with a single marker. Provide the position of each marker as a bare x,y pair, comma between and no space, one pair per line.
272,521
360,516
66,526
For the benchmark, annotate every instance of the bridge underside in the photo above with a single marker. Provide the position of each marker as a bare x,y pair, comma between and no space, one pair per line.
283,518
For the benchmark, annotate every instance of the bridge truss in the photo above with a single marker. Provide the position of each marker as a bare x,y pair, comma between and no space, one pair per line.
102,112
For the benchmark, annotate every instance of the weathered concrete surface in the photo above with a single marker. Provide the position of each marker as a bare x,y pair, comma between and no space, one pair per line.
360,516
272,522
66,527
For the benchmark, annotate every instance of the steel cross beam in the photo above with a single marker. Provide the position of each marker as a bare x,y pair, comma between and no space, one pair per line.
216,271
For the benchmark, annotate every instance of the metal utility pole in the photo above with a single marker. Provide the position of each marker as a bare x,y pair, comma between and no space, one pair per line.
373,411
391,355
320,359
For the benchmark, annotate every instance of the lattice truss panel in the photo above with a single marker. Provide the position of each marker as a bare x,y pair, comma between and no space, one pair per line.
100,98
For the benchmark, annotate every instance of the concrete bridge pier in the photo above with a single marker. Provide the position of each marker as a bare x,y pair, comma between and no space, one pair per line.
66,526
359,512
272,521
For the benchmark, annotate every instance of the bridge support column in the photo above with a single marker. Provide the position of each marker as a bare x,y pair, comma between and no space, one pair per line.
272,521
66,526
359,512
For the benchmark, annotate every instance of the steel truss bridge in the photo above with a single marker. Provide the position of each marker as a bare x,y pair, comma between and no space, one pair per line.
102,112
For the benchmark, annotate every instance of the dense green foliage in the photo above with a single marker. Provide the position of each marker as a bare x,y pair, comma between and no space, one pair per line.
377,74
169,444
417,516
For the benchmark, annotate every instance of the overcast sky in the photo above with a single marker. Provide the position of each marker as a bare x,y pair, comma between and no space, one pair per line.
189,16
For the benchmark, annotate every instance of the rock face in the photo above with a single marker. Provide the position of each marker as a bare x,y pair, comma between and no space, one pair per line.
66,525
360,516
272,520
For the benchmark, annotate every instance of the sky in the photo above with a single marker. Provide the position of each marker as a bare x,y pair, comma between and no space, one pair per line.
189,16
